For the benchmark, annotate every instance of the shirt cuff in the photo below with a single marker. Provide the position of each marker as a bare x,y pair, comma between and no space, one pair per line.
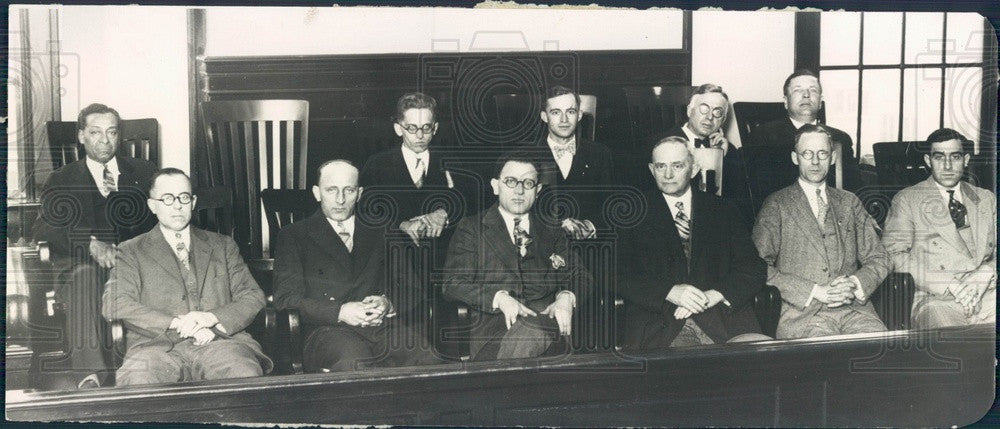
496,298
859,293
812,294
572,296
591,227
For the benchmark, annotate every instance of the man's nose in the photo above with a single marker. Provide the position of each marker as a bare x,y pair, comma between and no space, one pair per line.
519,189
668,173
814,160
339,198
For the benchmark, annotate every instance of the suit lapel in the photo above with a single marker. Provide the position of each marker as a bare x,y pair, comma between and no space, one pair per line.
701,222
495,233
365,241
804,216
202,256
327,239
578,167
937,212
399,168
157,248
975,223
662,221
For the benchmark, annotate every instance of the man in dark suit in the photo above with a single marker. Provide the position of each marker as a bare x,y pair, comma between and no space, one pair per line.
803,100
572,165
332,267
689,269
88,207
514,270
412,173
185,296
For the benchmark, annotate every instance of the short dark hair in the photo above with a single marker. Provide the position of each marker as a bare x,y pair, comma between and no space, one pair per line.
943,135
813,129
414,100
709,88
516,156
795,74
556,91
319,170
96,108
167,171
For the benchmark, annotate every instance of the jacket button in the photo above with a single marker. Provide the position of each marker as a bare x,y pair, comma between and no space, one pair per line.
824,269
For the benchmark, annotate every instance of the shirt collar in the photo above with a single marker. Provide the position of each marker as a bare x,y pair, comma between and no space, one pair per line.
810,189
800,124
554,144
98,168
508,220
172,239
691,136
411,156
348,224
684,198
944,191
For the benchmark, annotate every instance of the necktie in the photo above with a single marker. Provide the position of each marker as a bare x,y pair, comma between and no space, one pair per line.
109,181
957,210
521,237
701,143
683,224
564,149
823,207
421,173
345,236
182,253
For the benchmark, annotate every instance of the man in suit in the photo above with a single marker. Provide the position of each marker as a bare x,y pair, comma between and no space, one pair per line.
943,232
514,270
803,96
88,207
571,164
412,173
185,296
332,267
689,269
821,248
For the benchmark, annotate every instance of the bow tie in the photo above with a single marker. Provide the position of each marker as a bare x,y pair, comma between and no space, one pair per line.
561,150
701,143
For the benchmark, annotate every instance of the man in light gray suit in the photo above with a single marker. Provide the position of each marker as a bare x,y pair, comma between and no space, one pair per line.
821,248
943,232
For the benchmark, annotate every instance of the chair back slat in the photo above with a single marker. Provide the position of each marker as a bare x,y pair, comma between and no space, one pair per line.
138,138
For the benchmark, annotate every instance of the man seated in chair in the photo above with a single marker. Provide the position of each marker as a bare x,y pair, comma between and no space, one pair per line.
332,267
821,248
514,270
689,269
943,232
803,100
81,219
185,296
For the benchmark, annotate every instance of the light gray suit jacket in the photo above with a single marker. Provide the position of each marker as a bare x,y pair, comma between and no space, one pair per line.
146,289
787,235
922,239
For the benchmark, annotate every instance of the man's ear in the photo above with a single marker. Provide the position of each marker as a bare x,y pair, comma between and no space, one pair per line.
695,168
399,129
795,159
967,158
151,204
79,136
435,128
927,160
496,186
360,190
834,155
194,201
545,116
316,193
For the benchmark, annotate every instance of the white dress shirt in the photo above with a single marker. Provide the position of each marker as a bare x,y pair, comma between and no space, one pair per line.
684,198
172,238
410,157
810,190
348,226
944,192
508,220
565,162
97,172
798,124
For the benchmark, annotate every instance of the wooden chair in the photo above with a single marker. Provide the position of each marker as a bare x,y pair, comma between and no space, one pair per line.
518,114
588,121
138,138
653,110
710,159
254,145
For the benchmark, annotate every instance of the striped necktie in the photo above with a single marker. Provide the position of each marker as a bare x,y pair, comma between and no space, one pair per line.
108,182
345,236
422,173
683,224
182,253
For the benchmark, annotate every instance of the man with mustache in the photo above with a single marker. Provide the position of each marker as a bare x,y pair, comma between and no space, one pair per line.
803,96
943,232
821,248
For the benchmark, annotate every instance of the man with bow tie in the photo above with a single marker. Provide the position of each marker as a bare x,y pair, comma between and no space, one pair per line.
688,270
81,219
821,248
185,296
332,267
943,232
571,164
514,270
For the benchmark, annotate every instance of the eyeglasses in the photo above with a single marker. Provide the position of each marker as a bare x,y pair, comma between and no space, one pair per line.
954,156
808,155
527,184
168,199
716,112
412,129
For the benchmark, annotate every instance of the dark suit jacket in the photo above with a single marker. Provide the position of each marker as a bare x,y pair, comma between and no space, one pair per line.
781,132
591,169
314,273
733,174
73,208
482,261
146,289
723,258
386,174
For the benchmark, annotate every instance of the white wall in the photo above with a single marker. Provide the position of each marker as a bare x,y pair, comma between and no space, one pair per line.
133,59
375,30
748,53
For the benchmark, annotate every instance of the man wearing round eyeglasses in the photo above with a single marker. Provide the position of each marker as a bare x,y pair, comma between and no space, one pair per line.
514,269
821,248
185,296
943,232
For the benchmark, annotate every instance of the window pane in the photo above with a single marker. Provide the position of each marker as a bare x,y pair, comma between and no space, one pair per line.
962,96
923,37
879,108
840,96
838,40
964,40
883,36
921,102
